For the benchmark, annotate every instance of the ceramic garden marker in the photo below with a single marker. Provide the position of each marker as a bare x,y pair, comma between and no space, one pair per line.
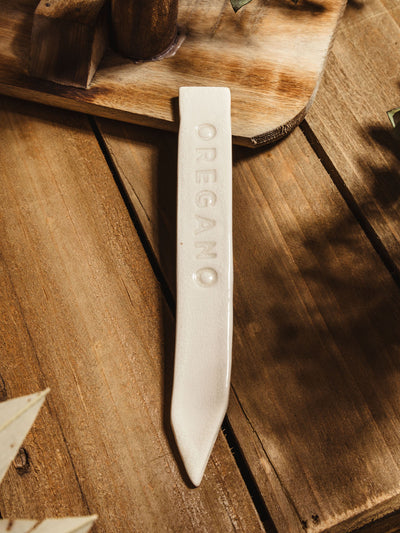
204,274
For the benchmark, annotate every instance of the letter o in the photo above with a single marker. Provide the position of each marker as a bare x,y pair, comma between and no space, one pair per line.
206,277
206,199
206,131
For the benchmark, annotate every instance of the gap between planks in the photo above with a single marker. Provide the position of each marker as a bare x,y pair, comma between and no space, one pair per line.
247,476
328,165
351,202
151,256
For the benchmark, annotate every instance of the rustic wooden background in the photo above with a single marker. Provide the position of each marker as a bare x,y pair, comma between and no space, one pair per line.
270,54
87,223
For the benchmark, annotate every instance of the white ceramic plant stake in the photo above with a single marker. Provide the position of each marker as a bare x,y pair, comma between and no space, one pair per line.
204,274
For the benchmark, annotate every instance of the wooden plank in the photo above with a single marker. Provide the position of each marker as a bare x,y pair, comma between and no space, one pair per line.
43,462
349,118
89,320
68,41
316,404
271,55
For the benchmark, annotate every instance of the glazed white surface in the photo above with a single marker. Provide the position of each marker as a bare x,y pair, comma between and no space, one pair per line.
204,274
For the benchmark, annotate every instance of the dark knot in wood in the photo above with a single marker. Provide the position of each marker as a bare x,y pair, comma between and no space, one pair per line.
21,462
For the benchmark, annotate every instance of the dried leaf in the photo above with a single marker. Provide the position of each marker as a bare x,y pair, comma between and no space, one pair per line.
237,4
16,419
394,116
52,525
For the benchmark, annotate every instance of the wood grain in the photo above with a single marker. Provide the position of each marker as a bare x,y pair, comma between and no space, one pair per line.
83,314
43,462
143,29
349,117
270,54
68,41
316,407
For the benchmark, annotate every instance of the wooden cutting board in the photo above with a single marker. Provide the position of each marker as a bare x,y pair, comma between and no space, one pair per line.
270,54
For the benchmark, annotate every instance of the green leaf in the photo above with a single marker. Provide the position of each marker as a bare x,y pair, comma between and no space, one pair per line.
237,4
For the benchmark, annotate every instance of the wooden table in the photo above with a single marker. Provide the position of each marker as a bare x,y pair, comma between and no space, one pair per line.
87,220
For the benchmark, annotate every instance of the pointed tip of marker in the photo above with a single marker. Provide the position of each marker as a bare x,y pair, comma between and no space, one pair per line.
195,469
194,457
195,439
